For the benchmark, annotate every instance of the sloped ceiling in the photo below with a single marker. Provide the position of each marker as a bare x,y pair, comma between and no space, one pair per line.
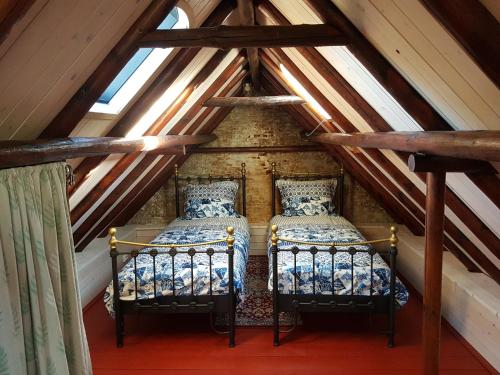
430,83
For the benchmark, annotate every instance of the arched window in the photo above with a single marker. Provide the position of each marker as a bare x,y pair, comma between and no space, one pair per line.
138,69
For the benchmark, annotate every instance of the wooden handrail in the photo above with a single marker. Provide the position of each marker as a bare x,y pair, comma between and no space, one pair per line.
21,153
479,145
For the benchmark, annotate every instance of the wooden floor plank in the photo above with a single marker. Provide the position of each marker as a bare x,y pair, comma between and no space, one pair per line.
324,344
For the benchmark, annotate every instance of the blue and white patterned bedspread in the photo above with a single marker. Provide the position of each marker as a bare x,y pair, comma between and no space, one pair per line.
187,231
328,229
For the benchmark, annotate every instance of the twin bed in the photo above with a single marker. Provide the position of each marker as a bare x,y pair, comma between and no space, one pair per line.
319,261
198,263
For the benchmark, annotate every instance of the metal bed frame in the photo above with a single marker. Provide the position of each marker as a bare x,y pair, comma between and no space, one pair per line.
297,302
191,303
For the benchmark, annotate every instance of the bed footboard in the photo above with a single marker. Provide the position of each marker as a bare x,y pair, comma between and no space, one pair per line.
320,302
174,302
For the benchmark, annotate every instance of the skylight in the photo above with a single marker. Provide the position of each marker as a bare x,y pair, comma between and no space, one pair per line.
301,91
138,69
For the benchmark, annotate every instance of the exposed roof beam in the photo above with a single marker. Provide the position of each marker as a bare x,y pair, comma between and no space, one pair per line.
87,95
225,37
122,166
234,101
247,18
154,91
412,208
88,230
412,102
10,12
21,153
480,144
474,27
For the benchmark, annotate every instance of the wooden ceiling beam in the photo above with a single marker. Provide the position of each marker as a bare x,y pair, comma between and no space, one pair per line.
154,129
235,101
404,182
474,27
67,119
408,97
22,153
377,123
379,67
247,18
400,211
478,145
135,201
85,233
392,206
225,37
141,192
401,214
152,187
488,184
164,80
10,12
268,12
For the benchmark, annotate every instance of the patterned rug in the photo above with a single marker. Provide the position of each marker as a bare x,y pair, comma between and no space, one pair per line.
257,308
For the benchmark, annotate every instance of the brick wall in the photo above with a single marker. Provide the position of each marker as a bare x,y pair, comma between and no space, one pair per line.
260,126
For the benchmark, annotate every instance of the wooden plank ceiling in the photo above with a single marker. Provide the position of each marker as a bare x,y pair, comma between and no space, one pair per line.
369,85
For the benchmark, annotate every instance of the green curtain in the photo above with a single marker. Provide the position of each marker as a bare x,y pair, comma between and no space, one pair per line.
41,322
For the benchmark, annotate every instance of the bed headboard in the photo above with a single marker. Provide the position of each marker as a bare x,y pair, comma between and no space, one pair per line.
339,191
180,181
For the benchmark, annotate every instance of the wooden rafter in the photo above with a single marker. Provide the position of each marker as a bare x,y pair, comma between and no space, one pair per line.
235,101
405,184
225,37
247,18
154,129
152,181
474,27
413,103
67,119
490,182
305,119
10,12
166,77
20,153
87,230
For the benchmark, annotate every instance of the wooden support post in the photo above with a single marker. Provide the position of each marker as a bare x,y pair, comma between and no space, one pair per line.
247,18
434,231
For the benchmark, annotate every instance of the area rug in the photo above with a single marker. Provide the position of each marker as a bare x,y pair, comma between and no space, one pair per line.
257,306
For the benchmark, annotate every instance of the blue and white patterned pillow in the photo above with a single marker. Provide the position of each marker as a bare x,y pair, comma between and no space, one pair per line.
307,198
216,199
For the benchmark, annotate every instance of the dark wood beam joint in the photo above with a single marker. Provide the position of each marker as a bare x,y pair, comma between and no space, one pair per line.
432,163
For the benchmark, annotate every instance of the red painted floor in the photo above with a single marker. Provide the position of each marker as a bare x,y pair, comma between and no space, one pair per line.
341,344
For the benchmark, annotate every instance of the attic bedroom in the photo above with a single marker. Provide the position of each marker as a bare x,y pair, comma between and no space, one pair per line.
251,186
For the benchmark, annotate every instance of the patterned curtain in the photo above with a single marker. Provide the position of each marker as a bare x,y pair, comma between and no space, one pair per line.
41,323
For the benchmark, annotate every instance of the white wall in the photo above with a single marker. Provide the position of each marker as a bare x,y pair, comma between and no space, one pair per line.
93,265
470,301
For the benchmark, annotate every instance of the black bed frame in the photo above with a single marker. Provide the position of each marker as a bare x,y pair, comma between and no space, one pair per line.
315,302
223,303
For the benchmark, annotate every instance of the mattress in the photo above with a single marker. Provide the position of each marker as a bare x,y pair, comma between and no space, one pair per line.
328,229
182,231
